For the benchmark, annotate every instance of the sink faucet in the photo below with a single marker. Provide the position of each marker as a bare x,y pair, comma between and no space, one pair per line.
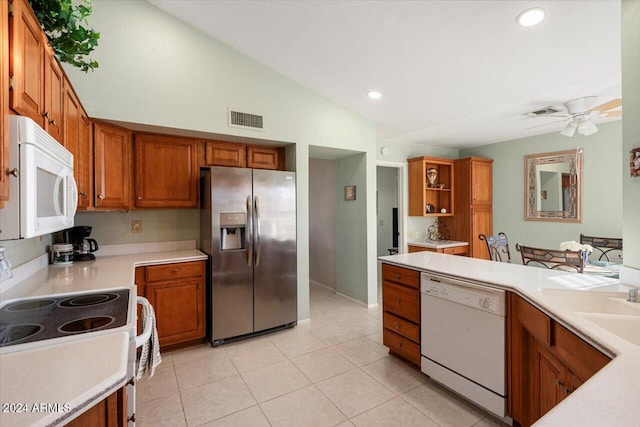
633,296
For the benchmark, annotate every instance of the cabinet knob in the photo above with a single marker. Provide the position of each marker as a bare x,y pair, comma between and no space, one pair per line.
82,193
397,300
398,326
199,286
53,122
139,197
400,344
397,276
101,196
13,172
175,270
45,114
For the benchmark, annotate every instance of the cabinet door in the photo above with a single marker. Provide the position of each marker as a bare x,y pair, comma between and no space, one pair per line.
481,182
548,377
85,162
179,307
112,166
27,64
76,141
166,172
481,222
219,153
109,412
53,99
265,158
4,101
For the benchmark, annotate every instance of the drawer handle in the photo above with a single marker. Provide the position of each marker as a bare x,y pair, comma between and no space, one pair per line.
398,326
400,344
397,300
397,276
175,270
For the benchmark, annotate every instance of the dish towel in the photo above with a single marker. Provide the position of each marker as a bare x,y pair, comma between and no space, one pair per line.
150,354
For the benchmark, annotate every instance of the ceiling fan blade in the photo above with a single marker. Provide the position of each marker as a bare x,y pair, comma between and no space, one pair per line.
613,114
546,124
614,103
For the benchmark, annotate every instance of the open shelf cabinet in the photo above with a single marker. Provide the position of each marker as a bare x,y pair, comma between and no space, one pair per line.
426,199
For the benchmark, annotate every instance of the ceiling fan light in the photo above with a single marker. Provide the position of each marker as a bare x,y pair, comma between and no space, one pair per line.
586,127
569,130
531,17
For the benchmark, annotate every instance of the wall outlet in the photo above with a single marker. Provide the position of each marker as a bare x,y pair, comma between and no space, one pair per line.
136,226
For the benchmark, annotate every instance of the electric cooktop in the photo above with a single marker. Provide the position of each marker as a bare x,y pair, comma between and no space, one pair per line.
50,317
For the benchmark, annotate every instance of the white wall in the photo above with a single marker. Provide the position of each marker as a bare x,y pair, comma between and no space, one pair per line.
322,222
155,69
631,128
602,189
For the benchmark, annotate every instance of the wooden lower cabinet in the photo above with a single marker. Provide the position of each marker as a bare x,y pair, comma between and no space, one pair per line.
456,250
177,294
109,412
401,311
546,362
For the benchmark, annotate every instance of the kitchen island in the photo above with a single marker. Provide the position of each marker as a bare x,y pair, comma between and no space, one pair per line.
72,374
606,397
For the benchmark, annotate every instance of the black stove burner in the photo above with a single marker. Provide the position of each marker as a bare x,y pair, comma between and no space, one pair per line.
30,305
14,333
61,316
85,300
86,325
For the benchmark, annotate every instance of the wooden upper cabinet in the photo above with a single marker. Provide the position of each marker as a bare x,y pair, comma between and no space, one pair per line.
259,157
427,199
4,101
53,96
166,172
77,140
218,153
112,166
27,62
481,181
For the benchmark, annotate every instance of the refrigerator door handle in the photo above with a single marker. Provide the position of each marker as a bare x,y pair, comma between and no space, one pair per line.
250,233
257,204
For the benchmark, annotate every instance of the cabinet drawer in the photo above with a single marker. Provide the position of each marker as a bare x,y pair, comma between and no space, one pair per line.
174,271
401,301
579,356
401,346
456,250
402,327
405,276
535,321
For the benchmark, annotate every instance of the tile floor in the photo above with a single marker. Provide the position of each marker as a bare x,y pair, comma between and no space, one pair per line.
330,371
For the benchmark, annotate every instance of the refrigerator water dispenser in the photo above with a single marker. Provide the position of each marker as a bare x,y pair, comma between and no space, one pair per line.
232,230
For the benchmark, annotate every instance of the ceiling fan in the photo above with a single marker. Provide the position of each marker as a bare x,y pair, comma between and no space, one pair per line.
579,113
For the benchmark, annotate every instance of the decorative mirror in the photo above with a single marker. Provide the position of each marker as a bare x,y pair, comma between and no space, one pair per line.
553,186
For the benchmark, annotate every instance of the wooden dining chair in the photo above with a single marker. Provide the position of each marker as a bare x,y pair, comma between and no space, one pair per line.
603,245
498,247
551,258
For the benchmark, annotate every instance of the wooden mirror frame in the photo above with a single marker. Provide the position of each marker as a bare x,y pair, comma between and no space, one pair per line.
574,213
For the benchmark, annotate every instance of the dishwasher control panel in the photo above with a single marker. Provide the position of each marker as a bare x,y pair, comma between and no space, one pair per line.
472,295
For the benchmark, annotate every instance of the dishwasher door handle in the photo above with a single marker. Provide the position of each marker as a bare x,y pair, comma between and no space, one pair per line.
148,321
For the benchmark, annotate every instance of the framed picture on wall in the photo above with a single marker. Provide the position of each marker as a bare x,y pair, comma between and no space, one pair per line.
350,192
634,163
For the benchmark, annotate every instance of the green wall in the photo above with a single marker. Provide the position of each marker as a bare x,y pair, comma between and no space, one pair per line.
602,187
631,128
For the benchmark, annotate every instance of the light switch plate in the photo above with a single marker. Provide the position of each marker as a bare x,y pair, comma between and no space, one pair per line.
136,226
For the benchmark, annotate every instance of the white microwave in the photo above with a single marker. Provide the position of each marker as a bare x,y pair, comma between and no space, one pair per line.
43,196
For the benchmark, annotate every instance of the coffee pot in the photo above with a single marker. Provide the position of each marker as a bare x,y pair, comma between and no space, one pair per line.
83,246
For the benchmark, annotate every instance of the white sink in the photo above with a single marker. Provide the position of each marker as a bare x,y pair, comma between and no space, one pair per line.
626,327
594,301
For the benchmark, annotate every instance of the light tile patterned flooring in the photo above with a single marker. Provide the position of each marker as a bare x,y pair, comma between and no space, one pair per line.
331,371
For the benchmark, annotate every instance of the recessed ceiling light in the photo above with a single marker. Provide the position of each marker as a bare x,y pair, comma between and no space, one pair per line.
374,94
531,17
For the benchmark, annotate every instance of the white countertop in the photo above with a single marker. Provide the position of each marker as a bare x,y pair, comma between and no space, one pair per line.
80,371
611,396
437,244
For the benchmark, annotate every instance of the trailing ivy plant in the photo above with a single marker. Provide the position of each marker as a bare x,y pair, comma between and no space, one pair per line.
65,25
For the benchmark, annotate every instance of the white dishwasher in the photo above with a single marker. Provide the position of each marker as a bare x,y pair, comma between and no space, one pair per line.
463,339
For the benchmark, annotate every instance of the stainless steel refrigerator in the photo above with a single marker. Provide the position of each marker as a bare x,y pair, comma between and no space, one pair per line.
248,228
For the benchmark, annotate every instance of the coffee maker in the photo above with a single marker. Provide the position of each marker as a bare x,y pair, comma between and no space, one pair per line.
82,245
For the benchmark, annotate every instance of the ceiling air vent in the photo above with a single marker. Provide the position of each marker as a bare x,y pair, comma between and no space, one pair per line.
546,111
245,120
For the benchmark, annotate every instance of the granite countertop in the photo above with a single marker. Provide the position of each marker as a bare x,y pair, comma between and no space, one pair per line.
77,372
607,397
437,244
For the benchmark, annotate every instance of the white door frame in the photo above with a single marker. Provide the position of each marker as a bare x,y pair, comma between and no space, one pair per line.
403,199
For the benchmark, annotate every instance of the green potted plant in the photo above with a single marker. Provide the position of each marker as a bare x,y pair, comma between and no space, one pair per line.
66,24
